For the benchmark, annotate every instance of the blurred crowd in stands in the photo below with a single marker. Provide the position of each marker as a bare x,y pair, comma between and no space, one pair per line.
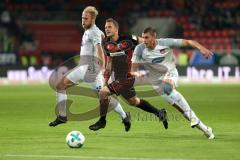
213,23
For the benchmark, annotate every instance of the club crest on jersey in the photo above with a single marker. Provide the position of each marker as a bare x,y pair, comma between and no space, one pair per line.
112,47
123,45
158,60
162,51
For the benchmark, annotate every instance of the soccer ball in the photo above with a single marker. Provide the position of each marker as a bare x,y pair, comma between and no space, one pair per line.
75,139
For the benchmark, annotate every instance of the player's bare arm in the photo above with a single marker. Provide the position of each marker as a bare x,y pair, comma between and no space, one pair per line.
191,43
108,69
136,72
100,55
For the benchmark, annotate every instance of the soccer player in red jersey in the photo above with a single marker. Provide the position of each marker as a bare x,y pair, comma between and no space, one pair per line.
119,51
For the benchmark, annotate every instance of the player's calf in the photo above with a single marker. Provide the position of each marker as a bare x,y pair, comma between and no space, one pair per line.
161,114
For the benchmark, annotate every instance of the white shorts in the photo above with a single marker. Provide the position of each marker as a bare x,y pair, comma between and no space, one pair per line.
82,74
172,75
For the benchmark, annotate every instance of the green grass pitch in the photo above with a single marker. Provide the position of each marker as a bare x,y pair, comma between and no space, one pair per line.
26,110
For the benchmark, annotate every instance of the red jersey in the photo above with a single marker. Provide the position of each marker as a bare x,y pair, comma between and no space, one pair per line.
121,53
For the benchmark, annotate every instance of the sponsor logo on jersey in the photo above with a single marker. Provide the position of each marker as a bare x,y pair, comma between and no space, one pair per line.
114,54
158,60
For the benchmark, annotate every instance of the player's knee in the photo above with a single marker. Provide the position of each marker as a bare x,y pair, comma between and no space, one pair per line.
133,101
103,93
167,88
61,86
64,84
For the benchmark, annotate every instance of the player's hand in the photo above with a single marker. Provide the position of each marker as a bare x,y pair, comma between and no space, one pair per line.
139,74
206,52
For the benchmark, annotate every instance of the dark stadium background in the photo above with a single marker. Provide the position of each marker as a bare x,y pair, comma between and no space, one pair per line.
46,33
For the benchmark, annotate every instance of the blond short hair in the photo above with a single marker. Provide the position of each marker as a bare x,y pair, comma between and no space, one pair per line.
92,10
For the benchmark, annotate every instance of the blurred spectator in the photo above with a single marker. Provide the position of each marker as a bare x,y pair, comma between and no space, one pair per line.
28,52
192,16
46,59
229,59
6,38
6,18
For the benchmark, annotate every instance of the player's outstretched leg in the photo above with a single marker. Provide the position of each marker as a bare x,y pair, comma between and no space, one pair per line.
61,101
101,123
144,105
179,102
61,104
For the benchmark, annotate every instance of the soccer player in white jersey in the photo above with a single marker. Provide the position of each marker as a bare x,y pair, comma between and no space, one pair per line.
89,70
156,56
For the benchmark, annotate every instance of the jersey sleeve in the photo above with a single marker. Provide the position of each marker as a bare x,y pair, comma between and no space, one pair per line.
137,54
170,42
95,37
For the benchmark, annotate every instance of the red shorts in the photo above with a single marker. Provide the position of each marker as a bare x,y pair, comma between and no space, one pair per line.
123,87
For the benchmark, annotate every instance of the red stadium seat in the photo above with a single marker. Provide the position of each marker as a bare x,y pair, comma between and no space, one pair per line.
183,19
193,34
225,33
200,33
186,34
209,33
216,33
56,37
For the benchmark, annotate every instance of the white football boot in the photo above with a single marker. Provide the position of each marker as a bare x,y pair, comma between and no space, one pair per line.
209,133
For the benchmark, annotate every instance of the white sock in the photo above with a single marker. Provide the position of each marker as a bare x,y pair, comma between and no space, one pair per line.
117,107
61,101
202,127
176,98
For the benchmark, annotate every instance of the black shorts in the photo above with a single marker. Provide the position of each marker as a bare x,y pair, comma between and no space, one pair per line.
123,87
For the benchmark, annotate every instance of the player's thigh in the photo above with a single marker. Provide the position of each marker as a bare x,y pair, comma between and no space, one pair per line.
77,74
97,83
123,87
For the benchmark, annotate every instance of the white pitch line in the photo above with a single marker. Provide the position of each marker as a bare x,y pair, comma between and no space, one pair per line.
88,157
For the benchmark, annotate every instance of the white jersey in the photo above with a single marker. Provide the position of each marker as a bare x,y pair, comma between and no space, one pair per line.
89,70
90,39
88,53
157,61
